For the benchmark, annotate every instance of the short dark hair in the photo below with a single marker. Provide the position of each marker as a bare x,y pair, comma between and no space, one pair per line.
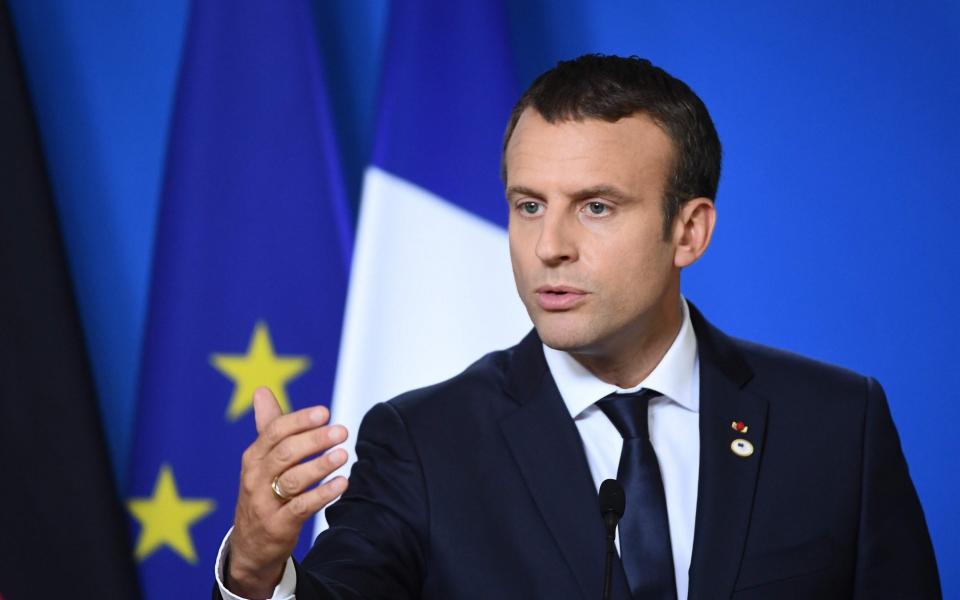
596,86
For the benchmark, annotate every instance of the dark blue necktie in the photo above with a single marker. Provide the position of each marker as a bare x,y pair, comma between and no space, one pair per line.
644,531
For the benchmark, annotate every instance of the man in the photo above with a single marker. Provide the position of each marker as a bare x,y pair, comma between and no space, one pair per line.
749,472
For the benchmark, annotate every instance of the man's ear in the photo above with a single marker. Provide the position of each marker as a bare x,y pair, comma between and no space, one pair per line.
692,230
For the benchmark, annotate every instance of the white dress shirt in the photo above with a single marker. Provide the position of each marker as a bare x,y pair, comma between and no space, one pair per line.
674,423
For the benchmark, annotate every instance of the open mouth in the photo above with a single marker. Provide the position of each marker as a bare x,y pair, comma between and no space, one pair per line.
554,298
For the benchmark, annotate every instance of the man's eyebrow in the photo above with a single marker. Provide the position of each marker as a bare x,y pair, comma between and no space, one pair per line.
519,190
595,191
602,191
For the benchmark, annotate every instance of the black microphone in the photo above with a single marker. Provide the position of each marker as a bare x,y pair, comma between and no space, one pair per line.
612,503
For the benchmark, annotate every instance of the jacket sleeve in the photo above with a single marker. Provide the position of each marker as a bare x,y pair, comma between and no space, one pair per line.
376,543
895,557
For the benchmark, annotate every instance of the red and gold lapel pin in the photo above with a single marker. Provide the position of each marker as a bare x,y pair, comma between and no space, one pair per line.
740,446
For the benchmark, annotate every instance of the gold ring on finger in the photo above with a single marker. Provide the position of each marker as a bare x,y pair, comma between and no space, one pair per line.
277,491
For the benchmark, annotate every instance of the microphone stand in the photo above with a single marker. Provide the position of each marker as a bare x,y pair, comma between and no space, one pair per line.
612,503
608,569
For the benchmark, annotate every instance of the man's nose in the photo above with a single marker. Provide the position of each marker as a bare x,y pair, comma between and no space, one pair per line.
557,243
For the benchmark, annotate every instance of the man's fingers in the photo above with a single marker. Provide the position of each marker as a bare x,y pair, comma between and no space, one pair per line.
265,408
300,446
299,478
304,506
284,426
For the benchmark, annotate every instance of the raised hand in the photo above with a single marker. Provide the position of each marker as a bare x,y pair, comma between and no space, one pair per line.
277,493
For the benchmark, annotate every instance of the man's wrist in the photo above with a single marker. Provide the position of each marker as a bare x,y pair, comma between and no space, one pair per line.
251,583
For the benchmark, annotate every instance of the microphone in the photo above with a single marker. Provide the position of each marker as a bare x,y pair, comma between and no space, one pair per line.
612,503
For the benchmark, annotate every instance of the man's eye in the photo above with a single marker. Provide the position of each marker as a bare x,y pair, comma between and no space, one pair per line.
531,208
597,208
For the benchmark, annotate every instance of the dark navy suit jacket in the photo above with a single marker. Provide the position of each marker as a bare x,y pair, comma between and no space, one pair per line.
479,487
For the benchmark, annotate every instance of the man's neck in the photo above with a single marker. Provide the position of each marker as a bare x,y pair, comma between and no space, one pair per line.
633,358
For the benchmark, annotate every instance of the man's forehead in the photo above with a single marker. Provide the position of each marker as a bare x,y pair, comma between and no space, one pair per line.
531,115
631,143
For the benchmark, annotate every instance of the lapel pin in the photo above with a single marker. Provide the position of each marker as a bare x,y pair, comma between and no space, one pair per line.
741,447
739,427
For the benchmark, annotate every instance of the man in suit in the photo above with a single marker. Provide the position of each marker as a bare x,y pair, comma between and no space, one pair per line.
749,472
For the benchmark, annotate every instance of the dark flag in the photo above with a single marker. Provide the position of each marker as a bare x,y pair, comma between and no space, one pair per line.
249,278
62,531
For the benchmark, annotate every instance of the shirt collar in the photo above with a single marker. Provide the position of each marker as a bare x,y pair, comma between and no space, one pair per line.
675,376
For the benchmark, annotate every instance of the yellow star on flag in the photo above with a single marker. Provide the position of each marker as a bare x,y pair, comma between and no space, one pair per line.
165,518
258,367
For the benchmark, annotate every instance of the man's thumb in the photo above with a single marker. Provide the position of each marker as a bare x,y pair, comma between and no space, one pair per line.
265,408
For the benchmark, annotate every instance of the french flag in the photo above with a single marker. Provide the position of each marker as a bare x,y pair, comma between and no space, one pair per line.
431,288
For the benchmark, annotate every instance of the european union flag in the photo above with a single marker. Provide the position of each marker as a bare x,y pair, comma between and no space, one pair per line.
252,255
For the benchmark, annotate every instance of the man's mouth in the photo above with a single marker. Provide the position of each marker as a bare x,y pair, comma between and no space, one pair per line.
559,297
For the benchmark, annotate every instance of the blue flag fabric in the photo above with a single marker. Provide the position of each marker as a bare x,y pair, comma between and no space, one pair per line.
251,261
431,296
448,85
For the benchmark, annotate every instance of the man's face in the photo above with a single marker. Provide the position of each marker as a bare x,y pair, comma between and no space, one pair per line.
586,230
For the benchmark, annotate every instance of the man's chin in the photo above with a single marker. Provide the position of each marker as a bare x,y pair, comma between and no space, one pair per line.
564,339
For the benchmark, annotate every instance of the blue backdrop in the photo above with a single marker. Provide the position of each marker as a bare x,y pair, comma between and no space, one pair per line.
840,127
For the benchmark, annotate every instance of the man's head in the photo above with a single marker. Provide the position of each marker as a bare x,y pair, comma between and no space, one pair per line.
598,151
609,88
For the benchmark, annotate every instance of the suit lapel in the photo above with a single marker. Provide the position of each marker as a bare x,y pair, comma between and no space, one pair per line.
727,481
548,451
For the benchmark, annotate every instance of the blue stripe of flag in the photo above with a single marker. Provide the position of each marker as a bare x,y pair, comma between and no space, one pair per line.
447,89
